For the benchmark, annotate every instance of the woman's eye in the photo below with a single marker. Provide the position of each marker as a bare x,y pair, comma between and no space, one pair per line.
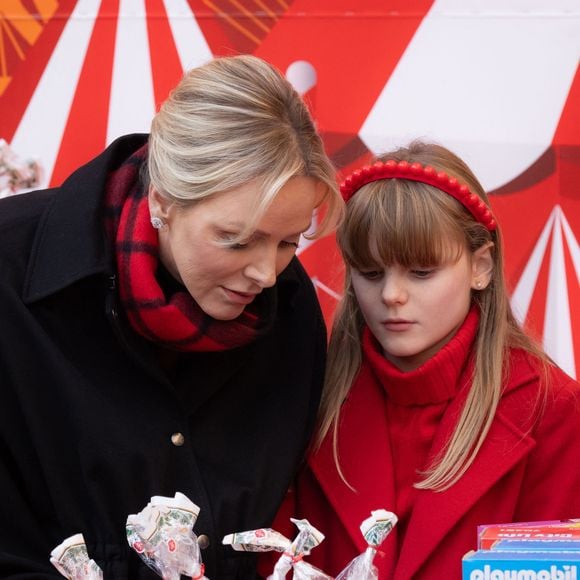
228,240
287,244
230,244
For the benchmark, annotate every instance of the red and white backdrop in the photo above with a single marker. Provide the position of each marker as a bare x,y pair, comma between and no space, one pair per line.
496,81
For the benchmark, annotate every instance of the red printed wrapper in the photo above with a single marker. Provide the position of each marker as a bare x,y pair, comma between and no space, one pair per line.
162,535
72,560
374,529
266,540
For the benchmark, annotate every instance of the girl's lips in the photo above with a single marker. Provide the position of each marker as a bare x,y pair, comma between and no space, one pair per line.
397,325
239,297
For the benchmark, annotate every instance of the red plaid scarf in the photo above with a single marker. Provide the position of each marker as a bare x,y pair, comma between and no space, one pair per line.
174,321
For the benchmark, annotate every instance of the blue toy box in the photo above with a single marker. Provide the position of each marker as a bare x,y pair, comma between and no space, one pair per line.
521,565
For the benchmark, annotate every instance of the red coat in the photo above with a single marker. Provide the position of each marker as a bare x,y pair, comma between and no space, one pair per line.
523,472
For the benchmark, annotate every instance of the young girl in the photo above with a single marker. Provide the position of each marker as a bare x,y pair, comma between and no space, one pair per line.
436,406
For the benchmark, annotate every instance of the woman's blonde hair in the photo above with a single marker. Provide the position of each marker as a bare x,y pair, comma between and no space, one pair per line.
232,121
413,223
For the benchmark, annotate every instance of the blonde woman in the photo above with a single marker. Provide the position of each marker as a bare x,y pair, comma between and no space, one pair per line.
437,406
158,332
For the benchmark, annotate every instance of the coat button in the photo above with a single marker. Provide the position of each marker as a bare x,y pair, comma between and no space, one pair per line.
178,439
203,541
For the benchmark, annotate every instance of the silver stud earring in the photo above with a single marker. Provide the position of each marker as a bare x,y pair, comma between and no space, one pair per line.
157,222
478,284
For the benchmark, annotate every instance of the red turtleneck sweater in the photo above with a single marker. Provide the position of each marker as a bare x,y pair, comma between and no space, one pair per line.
415,402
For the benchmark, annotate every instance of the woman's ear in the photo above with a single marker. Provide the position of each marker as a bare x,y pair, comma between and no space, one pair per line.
158,204
482,266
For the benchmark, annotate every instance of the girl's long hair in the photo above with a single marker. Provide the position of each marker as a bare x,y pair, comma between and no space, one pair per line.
411,223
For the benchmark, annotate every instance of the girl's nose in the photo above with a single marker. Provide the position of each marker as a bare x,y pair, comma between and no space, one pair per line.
394,291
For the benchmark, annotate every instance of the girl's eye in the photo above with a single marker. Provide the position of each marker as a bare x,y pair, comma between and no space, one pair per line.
422,272
239,246
371,274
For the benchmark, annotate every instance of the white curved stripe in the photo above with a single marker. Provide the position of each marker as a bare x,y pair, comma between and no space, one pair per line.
41,128
132,104
572,246
522,295
190,42
325,288
305,242
558,341
487,79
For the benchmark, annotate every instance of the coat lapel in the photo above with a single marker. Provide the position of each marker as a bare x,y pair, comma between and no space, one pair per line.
365,460
436,513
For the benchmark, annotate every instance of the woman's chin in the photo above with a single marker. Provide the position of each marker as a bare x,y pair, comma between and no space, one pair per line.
224,312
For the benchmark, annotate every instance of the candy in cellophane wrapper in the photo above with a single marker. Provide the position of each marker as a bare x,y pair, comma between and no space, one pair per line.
162,535
267,540
72,560
374,529
17,174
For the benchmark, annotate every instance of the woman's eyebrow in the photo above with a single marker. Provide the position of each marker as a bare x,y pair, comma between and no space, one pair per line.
260,233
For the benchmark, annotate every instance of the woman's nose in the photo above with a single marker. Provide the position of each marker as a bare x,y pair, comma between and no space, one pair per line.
262,269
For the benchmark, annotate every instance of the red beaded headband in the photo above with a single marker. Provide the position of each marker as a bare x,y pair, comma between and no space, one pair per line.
426,174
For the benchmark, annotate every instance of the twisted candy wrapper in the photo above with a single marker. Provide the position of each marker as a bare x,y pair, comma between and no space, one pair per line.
267,540
374,529
16,174
72,560
162,535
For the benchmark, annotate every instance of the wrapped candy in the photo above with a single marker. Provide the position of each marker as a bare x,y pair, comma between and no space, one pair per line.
16,174
162,535
267,540
72,560
374,529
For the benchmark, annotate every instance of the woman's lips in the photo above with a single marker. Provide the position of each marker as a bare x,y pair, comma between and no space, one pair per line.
240,297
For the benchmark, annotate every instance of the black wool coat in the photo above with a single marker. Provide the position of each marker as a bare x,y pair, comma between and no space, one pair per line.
91,426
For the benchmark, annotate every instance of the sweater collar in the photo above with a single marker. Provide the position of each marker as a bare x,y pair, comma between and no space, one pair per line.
435,381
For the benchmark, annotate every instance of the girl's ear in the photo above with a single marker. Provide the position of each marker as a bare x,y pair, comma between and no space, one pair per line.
482,266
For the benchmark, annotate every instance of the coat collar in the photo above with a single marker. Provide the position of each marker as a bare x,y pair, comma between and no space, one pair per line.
436,513
70,241
365,460
437,380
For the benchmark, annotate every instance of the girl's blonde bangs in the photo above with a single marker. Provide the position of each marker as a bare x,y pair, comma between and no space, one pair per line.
394,222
